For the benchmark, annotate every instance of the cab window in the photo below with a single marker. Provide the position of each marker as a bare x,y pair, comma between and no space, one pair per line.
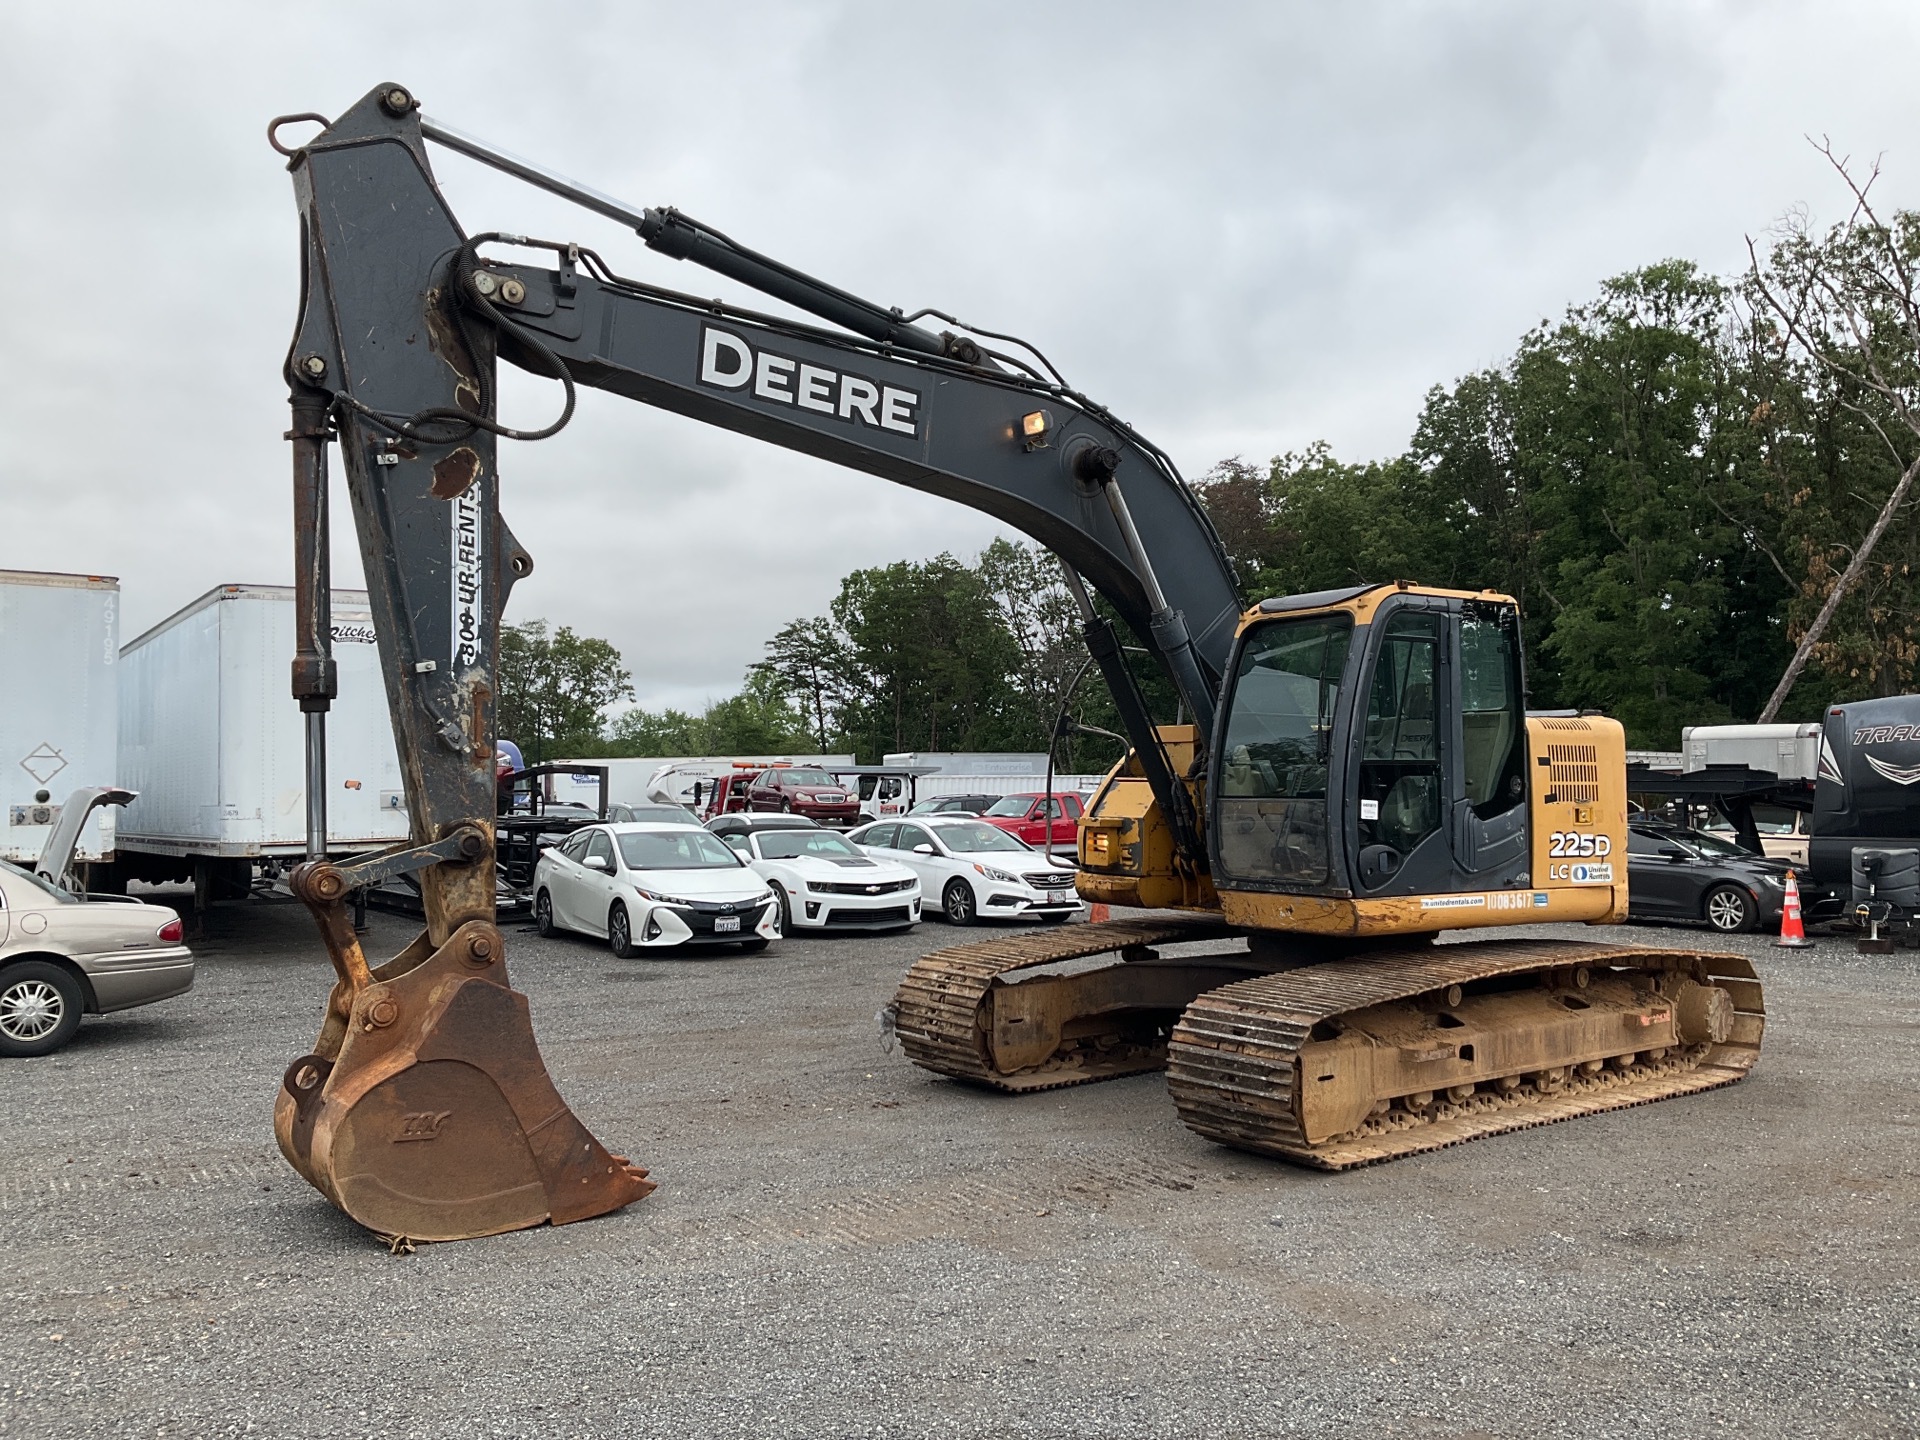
1491,710
1278,743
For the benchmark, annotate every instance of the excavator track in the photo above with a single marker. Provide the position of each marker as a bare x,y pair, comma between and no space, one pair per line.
1356,1062
970,1012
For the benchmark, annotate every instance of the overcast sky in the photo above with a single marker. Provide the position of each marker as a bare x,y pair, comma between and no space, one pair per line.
1244,227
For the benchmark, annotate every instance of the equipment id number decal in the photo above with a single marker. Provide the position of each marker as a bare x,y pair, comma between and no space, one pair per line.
1571,842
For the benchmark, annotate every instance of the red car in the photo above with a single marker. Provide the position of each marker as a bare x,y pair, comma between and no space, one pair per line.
803,790
1026,816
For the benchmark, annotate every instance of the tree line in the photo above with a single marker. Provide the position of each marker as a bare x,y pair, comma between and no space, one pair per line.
1694,486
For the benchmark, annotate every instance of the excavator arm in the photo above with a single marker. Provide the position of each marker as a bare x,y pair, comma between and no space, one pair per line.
402,322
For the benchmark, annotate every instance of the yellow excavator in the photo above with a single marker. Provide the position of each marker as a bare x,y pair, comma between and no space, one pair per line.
1358,774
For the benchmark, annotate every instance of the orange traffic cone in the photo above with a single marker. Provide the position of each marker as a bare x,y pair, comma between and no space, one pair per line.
1793,935
1098,913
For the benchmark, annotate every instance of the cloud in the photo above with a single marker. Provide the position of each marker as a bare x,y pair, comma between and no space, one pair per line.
1242,226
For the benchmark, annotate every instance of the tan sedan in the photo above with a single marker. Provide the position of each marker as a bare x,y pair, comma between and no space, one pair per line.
63,954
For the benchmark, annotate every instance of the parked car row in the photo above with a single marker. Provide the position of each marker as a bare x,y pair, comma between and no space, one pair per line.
747,878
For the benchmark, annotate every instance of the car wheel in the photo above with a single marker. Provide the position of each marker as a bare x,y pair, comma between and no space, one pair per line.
543,914
785,907
1053,919
620,931
956,902
40,1007
754,946
1730,910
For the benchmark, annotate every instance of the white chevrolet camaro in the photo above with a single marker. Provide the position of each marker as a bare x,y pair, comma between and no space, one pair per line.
652,886
818,878
977,871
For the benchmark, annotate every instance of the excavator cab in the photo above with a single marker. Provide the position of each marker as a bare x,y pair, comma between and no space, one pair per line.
1372,751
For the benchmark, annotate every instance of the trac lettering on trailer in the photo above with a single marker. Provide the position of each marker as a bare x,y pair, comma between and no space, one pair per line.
728,362
1886,734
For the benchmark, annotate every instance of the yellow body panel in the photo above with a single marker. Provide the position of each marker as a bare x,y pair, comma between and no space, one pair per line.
1577,798
1126,849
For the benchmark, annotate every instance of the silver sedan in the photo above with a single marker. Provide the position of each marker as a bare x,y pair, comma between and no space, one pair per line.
62,954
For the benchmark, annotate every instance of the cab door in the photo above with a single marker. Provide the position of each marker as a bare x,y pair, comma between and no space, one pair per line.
1488,781
1398,786
1437,788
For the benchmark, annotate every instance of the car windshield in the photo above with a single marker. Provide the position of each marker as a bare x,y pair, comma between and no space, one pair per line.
34,880
790,778
675,850
1012,805
977,839
1700,843
1710,845
791,844
671,814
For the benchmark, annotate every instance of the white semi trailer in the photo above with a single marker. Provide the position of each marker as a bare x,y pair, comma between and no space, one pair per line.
213,741
59,644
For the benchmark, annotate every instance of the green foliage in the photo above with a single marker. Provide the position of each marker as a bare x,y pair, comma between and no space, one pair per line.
1835,319
933,660
763,719
815,662
1667,496
555,688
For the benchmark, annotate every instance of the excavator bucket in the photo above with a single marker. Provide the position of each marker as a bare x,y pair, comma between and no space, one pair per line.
425,1112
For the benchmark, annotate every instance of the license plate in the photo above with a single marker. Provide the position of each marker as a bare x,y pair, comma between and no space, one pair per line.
1060,897
725,924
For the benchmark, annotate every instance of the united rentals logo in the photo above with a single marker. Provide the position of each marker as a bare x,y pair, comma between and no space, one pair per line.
728,362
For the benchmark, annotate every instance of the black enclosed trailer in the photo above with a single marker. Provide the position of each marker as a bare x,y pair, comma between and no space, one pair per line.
1867,792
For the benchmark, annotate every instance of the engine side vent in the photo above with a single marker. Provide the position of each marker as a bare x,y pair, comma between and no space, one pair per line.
1573,774
1565,724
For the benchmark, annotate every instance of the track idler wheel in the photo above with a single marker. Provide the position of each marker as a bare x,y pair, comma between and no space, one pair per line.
434,1118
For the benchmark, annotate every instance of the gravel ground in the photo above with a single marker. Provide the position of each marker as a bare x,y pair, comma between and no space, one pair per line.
844,1245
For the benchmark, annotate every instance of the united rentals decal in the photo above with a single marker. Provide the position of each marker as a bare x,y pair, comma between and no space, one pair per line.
469,618
729,362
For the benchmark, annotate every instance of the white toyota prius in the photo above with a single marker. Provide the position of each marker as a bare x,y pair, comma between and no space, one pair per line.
652,886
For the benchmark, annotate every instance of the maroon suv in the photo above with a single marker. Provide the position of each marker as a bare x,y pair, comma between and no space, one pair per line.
803,790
